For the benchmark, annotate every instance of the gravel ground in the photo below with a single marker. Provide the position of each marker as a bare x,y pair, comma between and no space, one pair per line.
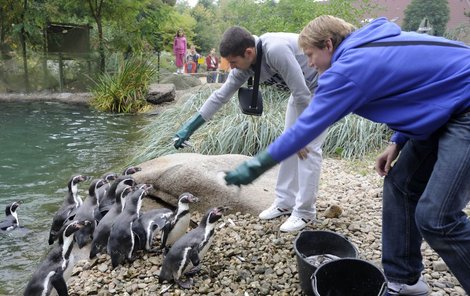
251,257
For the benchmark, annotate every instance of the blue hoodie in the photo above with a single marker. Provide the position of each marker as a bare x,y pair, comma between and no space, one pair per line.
414,89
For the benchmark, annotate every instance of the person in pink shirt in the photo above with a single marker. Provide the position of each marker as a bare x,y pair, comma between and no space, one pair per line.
179,50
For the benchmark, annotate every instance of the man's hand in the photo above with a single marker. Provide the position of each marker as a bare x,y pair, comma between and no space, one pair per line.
384,161
250,170
303,153
182,136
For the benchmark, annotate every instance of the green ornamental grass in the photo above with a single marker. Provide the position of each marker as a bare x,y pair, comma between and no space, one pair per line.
231,132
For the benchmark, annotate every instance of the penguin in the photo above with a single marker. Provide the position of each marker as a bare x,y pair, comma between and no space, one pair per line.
86,212
147,224
109,198
131,170
69,207
101,234
178,223
101,192
11,222
121,240
50,273
190,249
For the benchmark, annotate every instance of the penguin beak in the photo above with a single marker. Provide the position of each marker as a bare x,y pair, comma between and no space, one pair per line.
193,198
221,210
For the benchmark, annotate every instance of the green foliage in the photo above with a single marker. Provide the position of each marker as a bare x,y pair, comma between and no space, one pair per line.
124,91
206,36
437,11
355,137
230,131
287,15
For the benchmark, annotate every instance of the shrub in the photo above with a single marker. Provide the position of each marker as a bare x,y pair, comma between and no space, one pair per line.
126,89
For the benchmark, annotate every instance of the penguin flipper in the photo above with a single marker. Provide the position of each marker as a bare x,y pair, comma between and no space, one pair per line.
58,282
165,232
194,256
193,271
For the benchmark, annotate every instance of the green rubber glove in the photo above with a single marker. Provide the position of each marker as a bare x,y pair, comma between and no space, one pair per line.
187,130
251,169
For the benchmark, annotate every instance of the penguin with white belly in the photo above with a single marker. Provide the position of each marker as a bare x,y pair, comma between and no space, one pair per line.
11,220
121,240
86,212
50,273
190,249
146,226
107,201
69,207
102,191
178,223
121,188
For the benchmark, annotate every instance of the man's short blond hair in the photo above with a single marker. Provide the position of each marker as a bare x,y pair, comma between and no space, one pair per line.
323,28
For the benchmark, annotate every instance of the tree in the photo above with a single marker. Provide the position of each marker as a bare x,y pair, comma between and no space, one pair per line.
437,12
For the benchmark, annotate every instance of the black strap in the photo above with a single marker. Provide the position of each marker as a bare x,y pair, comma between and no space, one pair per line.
407,43
259,55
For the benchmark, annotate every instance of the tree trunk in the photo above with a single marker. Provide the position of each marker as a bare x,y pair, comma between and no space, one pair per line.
101,46
96,13
23,46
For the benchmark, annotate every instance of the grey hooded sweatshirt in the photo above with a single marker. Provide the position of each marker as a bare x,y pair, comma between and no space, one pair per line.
283,66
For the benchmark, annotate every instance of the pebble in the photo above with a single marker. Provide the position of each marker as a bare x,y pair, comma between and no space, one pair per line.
250,256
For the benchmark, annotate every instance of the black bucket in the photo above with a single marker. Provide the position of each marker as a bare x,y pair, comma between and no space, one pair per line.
348,276
312,242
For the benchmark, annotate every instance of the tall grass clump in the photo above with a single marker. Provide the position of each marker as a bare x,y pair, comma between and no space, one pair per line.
355,137
231,132
125,90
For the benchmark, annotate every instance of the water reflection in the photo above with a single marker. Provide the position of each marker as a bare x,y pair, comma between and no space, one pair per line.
41,146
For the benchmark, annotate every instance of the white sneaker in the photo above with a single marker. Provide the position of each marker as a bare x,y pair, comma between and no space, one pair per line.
421,288
294,223
272,212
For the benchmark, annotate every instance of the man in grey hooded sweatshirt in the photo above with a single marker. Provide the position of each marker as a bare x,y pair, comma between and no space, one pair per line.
284,66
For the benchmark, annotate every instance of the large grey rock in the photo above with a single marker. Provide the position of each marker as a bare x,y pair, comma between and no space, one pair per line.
202,175
159,93
181,81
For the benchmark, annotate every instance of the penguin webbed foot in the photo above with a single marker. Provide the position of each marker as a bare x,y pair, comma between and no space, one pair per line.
193,271
185,284
155,250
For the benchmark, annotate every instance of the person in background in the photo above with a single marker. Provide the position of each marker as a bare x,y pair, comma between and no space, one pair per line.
368,72
212,63
179,50
284,66
192,60
224,69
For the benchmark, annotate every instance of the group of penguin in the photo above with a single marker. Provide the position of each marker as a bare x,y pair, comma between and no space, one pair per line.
111,221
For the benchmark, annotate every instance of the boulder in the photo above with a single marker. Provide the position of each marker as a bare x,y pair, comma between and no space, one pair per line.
159,93
181,81
202,175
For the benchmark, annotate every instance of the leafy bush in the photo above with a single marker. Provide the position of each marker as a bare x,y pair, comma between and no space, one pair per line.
230,131
126,89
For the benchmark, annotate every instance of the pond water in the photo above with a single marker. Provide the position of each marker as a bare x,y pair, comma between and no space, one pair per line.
41,146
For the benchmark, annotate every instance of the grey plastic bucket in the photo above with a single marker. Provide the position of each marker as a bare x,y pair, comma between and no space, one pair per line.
348,276
318,242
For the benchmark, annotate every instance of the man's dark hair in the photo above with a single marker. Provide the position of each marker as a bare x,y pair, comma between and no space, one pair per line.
235,41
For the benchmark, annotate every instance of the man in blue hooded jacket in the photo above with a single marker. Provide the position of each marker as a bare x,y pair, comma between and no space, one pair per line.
419,86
